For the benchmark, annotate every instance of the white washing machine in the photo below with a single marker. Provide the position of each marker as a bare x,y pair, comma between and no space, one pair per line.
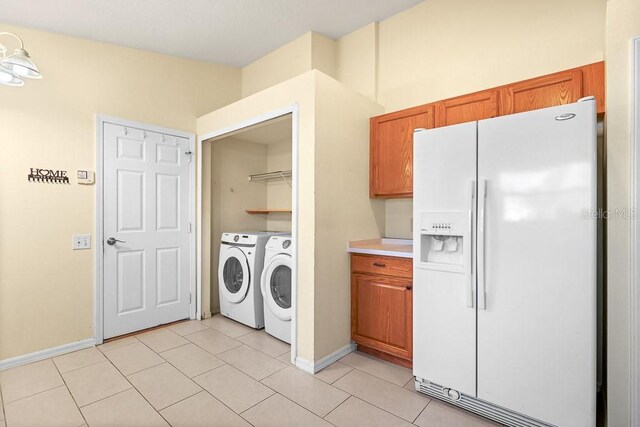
276,287
239,270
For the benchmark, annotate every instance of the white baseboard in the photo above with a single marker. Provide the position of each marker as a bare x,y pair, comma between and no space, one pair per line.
45,354
317,366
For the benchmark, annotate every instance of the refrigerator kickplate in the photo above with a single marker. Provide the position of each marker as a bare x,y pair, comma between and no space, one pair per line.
477,406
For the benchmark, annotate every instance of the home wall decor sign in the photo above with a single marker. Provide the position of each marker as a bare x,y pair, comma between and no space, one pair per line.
48,175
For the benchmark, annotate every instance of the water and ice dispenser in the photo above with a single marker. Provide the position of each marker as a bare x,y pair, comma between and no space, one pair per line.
444,240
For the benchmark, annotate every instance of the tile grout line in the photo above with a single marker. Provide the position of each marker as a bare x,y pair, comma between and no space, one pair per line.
106,397
104,352
5,403
369,403
228,364
253,331
342,376
35,394
69,391
4,414
260,381
204,389
170,364
261,351
134,387
423,409
213,354
375,376
295,403
383,409
341,403
82,367
238,414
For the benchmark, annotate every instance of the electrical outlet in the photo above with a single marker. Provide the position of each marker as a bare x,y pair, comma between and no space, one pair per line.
81,241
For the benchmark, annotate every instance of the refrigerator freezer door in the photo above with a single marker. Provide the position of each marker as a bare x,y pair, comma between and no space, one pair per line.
444,331
537,335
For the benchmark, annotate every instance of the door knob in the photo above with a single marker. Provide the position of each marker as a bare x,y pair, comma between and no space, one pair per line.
112,241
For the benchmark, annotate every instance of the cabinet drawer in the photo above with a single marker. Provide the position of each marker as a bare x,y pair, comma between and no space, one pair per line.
388,266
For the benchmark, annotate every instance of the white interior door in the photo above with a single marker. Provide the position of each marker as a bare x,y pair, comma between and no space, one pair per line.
146,229
537,330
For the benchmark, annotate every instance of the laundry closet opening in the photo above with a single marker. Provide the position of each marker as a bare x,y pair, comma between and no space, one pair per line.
248,242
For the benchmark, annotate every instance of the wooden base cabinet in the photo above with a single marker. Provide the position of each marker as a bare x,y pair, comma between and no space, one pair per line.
382,307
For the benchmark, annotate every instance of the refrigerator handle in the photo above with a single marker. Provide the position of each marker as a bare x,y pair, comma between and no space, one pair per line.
482,196
470,279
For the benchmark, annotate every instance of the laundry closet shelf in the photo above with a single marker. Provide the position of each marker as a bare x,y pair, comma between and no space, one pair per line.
267,211
270,175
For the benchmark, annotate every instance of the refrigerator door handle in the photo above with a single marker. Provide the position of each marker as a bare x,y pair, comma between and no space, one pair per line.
470,278
482,196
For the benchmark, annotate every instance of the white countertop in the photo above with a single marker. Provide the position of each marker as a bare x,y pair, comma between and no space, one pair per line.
402,248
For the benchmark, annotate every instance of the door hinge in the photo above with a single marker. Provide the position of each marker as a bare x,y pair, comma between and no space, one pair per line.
189,298
189,228
190,154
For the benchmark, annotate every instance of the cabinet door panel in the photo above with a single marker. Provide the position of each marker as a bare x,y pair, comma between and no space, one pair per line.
392,151
548,91
382,313
467,108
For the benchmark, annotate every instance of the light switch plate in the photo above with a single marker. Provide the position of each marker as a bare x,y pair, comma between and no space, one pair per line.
86,177
81,241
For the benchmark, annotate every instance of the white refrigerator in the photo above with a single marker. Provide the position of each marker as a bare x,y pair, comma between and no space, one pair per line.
505,266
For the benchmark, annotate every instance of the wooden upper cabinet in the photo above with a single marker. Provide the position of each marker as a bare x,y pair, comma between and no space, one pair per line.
548,91
467,108
391,158
391,150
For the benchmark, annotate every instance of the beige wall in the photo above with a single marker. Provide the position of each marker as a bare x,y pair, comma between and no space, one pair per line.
290,60
279,157
324,54
357,60
398,218
232,161
623,24
333,207
307,52
301,91
344,211
444,48
46,289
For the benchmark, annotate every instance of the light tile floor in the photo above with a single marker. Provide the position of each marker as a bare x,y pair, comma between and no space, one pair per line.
214,372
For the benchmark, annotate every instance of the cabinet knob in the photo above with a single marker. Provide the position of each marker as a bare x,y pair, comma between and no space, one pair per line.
409,287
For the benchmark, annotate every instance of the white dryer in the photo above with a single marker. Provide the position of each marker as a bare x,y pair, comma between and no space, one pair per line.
276,287
241,262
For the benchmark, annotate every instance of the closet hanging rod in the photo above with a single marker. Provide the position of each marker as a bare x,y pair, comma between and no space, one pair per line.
270,175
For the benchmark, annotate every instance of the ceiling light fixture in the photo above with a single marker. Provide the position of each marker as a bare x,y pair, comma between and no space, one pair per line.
18,65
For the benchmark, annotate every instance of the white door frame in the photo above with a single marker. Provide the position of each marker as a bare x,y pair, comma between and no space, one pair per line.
98,285
293,110
635,238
